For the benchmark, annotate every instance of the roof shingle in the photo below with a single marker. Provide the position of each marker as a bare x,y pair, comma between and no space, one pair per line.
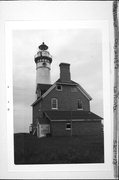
67,115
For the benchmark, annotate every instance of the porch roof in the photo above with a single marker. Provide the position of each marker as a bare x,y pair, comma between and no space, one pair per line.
68,115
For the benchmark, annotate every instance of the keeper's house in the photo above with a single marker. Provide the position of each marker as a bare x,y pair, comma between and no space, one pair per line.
62,108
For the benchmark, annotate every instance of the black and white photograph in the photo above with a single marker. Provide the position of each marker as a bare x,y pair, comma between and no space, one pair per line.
59,95
57,100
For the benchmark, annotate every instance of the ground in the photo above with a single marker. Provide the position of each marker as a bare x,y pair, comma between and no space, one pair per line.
56,150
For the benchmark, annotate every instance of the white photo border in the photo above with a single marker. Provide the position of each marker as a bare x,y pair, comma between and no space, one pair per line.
107,95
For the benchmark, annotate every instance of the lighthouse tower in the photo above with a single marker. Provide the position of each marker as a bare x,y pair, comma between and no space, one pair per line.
43,61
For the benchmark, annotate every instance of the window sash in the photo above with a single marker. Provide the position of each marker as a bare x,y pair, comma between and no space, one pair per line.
59,89
54,103
68,126
80,106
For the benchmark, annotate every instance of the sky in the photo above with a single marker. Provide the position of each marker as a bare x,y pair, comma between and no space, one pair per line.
82,48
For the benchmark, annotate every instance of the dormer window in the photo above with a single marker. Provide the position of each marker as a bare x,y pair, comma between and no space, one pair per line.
54,103
59,88
79,105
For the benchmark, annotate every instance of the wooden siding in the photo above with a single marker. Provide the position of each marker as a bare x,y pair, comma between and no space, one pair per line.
86,128
78,128
67,100
59,129
36,112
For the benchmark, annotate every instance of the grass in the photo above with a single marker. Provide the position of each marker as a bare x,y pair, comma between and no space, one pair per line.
29,149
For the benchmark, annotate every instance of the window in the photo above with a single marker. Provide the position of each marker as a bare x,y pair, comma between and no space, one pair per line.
68,126
74,89
54,103
79,106
59,88
44,64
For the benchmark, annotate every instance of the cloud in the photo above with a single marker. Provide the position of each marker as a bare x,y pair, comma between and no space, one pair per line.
80,47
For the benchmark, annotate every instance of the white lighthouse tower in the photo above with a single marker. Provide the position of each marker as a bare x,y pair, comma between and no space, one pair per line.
43,61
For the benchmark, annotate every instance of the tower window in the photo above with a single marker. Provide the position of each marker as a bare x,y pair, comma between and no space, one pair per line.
54,103
68,126
59,88
79,105
44,64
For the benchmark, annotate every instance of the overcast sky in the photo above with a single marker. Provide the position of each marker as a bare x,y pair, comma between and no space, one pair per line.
82,48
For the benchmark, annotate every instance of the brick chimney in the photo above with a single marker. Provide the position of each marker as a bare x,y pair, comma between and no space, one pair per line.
65,72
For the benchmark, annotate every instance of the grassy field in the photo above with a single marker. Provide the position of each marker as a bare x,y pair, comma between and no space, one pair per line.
56,150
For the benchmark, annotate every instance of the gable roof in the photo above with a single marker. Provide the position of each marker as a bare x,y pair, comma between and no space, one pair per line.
43,87
84,92
74,115
73,83
45,94
51,87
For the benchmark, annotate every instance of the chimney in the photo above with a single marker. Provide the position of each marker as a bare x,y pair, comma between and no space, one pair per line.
65,72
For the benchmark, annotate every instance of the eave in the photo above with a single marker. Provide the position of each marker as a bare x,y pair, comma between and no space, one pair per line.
84,92
45,94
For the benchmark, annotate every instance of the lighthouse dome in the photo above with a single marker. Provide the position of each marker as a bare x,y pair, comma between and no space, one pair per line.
43,54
